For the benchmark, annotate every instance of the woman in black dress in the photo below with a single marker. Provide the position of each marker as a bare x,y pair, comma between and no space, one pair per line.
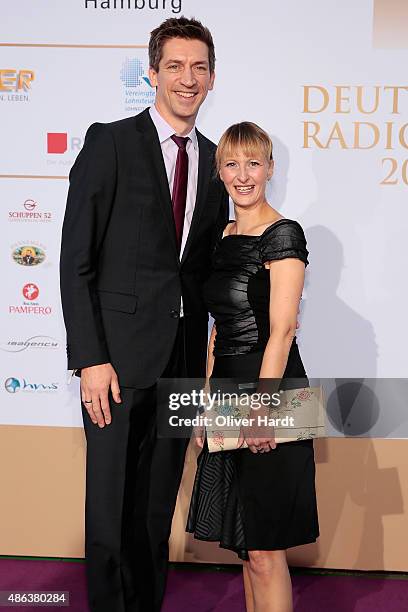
260,500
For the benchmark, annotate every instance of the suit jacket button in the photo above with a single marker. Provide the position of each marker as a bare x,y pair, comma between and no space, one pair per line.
174,314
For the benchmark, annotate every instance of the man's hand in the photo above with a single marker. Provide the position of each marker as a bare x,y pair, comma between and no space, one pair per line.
96,382
259,438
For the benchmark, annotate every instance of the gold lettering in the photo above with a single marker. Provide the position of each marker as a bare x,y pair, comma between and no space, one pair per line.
340,98
357,130
402,138
307,136
336,134
360,91
394,167
306,98
404,171
390,126
395,97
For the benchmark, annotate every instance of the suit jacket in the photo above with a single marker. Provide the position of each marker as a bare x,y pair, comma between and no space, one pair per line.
121,277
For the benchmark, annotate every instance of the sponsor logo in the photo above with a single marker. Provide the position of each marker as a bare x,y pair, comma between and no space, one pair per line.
31,291
57,142
30,205
29,213
15,85
13,385
35,342
137,90
133,73
64,146
31,306
28,255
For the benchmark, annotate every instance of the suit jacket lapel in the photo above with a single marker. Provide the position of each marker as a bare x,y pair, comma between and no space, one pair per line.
153,150
204,171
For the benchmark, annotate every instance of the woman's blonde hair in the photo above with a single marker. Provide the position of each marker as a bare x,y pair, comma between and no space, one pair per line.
247,136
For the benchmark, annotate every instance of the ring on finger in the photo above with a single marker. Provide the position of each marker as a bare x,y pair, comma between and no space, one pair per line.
87,401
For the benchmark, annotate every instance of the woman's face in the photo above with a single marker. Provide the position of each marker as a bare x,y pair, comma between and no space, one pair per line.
245,177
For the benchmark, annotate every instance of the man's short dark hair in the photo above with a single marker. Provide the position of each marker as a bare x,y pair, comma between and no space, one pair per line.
181,27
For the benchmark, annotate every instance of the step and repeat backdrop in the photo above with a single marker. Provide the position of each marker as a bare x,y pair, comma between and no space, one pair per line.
327,80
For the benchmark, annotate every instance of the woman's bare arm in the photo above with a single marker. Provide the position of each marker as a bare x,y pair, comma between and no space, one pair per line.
286,286
210,352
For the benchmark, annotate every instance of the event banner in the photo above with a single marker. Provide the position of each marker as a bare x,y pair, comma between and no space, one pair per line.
327,80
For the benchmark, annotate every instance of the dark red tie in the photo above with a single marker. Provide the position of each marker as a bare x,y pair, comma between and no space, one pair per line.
180,186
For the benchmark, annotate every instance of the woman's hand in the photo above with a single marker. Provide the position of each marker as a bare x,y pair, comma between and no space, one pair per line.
259,437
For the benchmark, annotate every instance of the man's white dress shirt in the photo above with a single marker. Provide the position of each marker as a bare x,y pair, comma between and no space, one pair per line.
170,150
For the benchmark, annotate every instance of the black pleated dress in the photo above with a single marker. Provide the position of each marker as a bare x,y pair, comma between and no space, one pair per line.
247,501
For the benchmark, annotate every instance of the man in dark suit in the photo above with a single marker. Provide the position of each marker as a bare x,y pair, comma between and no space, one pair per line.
143,210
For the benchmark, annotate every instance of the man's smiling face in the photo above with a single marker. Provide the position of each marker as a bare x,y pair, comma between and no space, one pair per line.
183,79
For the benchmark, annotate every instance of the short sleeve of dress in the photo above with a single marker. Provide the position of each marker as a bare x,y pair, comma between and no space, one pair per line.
283,239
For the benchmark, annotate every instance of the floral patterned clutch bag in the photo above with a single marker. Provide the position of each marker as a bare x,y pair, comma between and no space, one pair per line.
299,414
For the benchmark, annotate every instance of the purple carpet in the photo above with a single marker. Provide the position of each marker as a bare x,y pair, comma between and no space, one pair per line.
215,591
